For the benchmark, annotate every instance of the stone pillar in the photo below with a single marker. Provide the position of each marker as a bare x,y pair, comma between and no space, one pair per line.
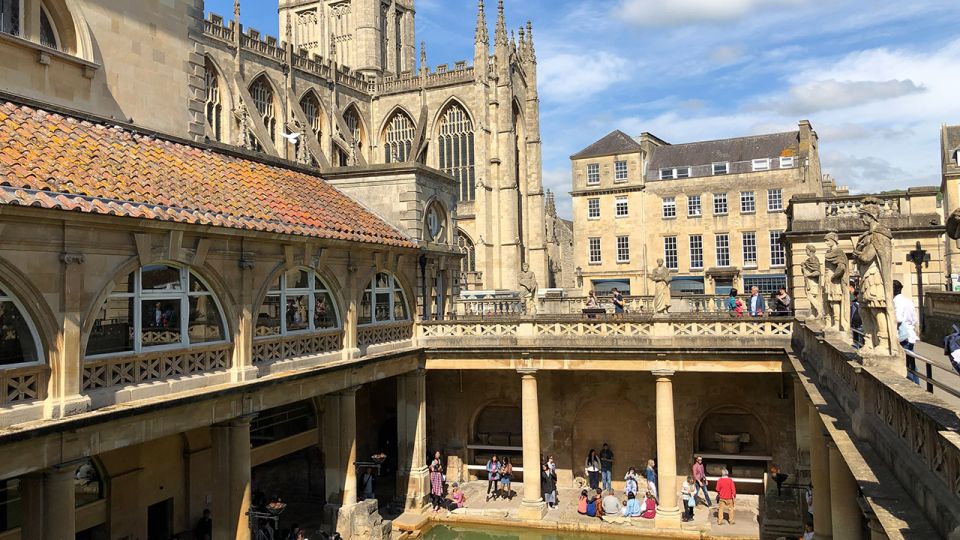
59,503
31,505
231,454
243,368
820,475
802,419
668,512
412,473
846,515
330,446
348,446
532,505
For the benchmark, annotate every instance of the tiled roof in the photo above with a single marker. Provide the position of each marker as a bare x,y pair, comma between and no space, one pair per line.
723,150
61,162
617,142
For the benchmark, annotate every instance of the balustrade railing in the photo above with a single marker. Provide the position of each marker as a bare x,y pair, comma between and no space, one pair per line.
23,384
574,305
281,348
378,334
155,366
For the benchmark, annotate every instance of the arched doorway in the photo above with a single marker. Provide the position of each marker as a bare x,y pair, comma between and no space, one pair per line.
497,429
735,439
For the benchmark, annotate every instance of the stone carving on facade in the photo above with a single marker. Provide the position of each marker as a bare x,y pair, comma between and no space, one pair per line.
243,119
873,256
661,279
812,282
836,277
528,288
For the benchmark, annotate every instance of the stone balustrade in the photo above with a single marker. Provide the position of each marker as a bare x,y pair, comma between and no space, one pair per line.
23,384
155,366
915,207
282,348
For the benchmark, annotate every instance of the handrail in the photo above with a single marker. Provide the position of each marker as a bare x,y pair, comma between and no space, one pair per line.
927,375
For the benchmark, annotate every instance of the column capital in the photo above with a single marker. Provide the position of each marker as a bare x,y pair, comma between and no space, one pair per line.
238,422
527,371
349,391
663,373
417,373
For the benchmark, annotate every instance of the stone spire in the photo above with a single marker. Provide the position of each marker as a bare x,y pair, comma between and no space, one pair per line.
551,204
423,58
482,34
500,36
531,51
522,42
288,33
513,42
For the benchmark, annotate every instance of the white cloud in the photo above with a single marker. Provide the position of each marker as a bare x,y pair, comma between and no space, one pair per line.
682,12
567,76
725,54
830,94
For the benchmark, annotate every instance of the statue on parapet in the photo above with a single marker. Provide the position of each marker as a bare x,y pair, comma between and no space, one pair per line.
873,256
528,288
661,279
837,275
812,282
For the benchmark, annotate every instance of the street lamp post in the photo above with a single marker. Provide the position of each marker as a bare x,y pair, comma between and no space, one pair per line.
920,259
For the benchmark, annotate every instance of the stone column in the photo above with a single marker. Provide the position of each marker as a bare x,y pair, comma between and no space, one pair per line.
532,505
348,446
59,507
820,475
31,505
330,446
846,515
668,512
231,454
802,418
412,474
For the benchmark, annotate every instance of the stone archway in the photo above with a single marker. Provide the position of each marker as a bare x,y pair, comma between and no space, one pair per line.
728,421
619,423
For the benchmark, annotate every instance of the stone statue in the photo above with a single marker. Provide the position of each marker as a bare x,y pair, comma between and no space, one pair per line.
873,256
528,288
837,274
661,279
812,274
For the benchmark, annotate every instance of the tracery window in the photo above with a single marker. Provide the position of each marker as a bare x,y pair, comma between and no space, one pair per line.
298,301
457,150
48,31
157,306
262,94
398,139
352,119
383,301
214,105
469,261
19,343
311,108
10,17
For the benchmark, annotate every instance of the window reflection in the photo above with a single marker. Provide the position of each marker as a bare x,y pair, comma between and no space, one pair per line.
297,301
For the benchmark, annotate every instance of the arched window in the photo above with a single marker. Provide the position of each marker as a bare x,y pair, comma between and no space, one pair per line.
469,261
352,118
10,17
262,94
19,343
48,30
157,306
383,301
311,108
214,106
456,150
298,301
398,139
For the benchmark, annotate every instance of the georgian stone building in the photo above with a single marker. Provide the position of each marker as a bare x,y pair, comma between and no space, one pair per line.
950,187
714,211
342,88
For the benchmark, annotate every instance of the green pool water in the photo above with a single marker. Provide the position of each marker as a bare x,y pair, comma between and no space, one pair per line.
447,532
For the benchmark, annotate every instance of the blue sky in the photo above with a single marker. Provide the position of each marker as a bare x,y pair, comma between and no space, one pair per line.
876,78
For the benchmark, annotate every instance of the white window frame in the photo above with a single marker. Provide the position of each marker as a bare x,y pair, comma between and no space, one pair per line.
621,171
392,288
284,291
668,207
775,200
724,246
621,207
760,164
749,248
778,252
7,296
683,172
671,253
787,162
623,249
668,174
717,198
593,174
594,251
696,251
694,210
748,202
724,164
593,208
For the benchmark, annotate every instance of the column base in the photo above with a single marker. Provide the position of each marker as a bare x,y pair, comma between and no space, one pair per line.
667,518
350,354
243,374
532,510
68,406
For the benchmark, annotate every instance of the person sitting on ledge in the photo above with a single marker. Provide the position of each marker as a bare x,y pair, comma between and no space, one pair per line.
648,509
457,499
582,502
611,504
632,508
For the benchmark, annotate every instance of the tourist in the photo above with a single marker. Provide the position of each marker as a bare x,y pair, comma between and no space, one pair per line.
732,302
631,481
611,504
648,508
688,494
582,503
436,482
591,303
617,298
807,532
782,302
758,307
592,467
552,464
548,485
606,466
457,498
296,533
727,493
856,320
597,499
366,481
632,508
506,475
700,479
651,474
204,528
809,498
493,477
906,314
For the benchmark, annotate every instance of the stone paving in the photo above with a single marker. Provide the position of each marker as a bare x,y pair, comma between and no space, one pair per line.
564,515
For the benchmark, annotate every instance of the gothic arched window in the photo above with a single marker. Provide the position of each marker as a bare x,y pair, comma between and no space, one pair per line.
469,261
214,106
456,150
262,94
398,139
352,119
311,109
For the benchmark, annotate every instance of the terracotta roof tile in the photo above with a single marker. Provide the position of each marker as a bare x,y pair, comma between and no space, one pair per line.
56,161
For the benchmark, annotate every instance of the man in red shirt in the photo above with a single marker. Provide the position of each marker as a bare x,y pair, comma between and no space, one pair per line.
727,493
